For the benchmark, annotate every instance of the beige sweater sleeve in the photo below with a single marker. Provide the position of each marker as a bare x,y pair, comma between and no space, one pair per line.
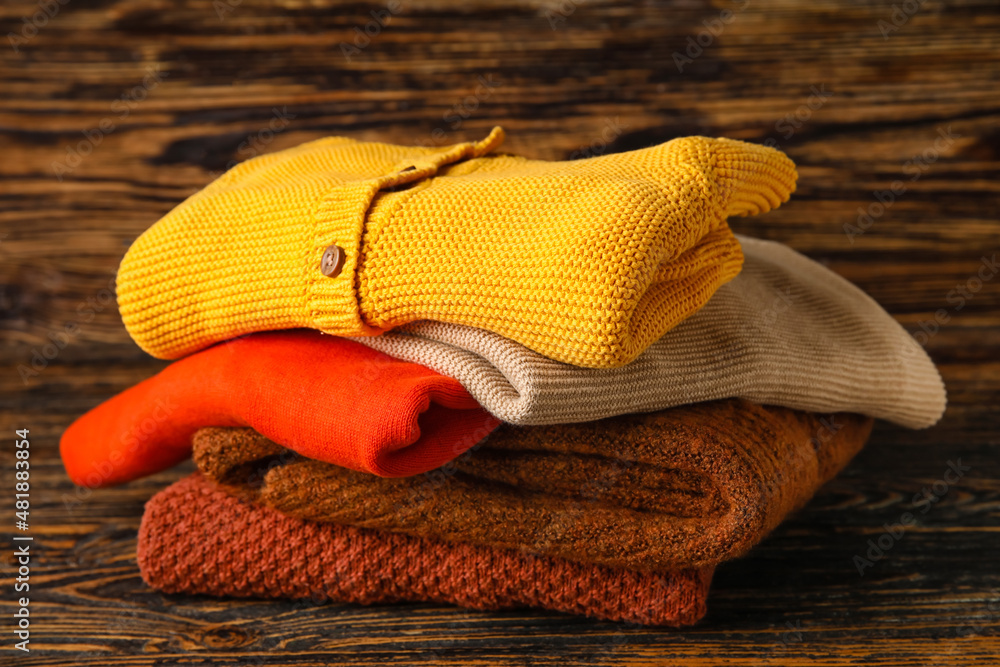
786,331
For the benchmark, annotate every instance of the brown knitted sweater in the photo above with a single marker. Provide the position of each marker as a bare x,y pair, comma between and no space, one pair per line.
685,487
197,539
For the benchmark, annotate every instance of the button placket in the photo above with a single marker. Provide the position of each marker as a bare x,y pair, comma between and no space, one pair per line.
406,174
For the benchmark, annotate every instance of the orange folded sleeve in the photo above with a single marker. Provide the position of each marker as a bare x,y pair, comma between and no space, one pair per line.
325,397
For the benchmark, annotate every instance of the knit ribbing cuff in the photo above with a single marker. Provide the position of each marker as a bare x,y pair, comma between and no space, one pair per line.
748,179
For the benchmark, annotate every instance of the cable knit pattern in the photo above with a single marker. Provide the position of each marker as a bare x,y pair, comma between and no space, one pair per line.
196,539
684,487
587,262
786,331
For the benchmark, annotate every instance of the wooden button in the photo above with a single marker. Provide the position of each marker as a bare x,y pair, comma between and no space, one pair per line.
332,261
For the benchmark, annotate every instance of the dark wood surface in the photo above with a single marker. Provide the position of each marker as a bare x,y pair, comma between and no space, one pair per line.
561,76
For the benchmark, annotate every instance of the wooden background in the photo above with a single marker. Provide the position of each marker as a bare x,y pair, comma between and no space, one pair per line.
90,156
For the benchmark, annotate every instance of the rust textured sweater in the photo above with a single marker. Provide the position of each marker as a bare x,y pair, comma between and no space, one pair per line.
685,487
197,539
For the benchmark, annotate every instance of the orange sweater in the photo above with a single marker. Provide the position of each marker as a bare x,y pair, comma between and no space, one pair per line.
327,398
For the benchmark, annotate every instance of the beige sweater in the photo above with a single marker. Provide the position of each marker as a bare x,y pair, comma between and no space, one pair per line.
786,331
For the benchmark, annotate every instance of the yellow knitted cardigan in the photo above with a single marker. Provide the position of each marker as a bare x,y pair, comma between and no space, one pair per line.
587,262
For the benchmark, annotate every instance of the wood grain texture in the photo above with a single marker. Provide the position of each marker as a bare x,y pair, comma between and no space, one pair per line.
225,81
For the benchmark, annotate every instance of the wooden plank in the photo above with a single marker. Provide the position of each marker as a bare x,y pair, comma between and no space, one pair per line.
852,106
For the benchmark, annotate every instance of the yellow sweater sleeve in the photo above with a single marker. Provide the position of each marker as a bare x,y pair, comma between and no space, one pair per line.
586,262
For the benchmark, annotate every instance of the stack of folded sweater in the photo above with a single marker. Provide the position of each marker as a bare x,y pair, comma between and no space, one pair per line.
564,385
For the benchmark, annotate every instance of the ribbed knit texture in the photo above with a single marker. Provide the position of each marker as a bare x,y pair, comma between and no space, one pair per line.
329,398
786,331
196,539
587,262
680,488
